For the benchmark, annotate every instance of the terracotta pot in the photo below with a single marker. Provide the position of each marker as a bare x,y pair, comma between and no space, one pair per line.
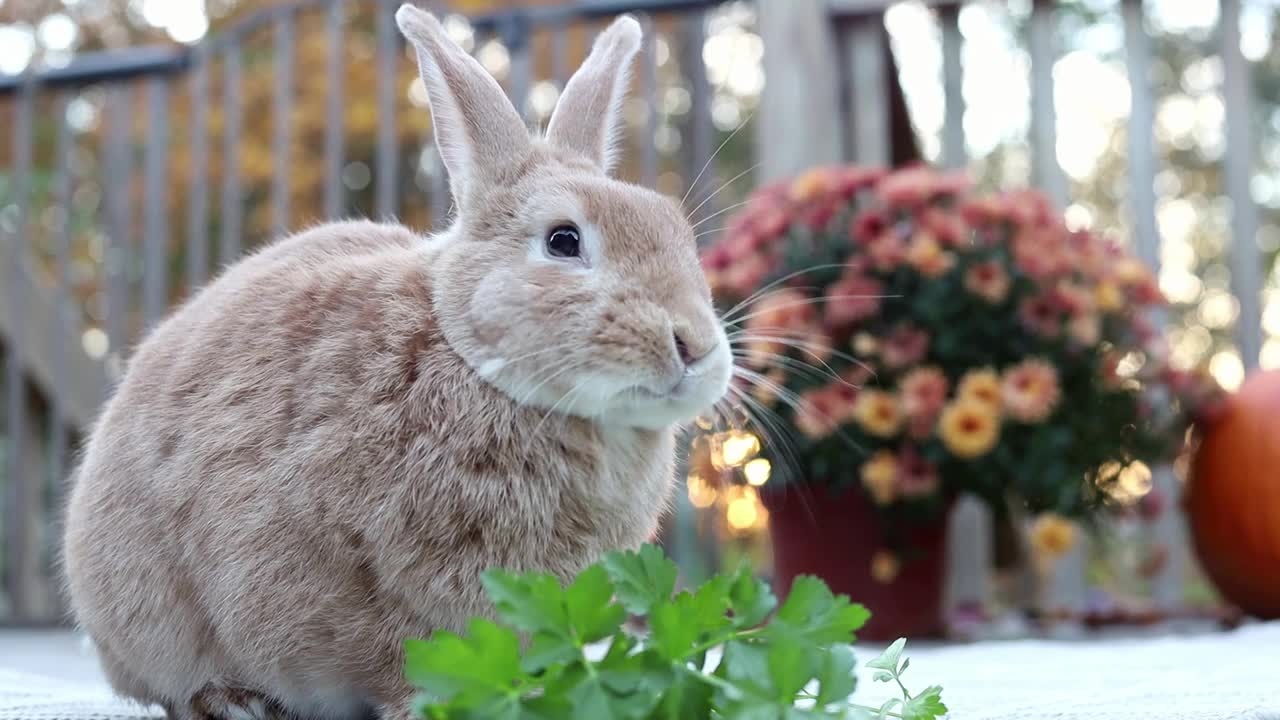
834,535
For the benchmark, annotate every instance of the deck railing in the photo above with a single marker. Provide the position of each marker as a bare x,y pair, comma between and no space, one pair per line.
62,349
166,154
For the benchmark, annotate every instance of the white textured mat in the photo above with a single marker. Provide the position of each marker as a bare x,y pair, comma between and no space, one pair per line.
1219,676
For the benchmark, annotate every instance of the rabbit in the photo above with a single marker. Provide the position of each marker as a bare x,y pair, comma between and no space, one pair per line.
317,455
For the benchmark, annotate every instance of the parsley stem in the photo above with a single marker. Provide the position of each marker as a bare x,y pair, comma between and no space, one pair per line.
735,635
868,708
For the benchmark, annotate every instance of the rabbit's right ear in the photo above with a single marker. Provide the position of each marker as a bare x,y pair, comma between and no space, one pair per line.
478,131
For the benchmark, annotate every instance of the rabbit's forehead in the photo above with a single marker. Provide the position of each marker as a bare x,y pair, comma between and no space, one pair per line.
629,217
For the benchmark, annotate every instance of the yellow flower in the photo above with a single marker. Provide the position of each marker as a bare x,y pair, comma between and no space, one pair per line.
927,256
1052,535
1108,297
969,428
1131,271
1030,390
878,413
811,184
880,476
884,567
982,386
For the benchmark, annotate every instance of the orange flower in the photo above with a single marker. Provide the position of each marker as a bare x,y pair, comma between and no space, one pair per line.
1052,535
1030,390
884,567
982,386
811,184
1108,297
880,477
928,257
969,428
878,413
988,280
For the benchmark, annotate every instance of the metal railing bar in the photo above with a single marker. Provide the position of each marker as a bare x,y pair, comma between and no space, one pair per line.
649,91
1044,146
232,202
334,112
117,181
282,122
114,65
701,132
954,153
1245,258
870,138
16,519
386,191
62,190
197,191
155,269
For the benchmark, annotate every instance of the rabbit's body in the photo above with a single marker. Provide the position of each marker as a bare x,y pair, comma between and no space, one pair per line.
316,457
297,431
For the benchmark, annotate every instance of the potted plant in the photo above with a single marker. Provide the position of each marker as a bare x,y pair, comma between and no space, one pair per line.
902,340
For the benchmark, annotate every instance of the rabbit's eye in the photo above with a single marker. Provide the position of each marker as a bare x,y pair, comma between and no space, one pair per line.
563,242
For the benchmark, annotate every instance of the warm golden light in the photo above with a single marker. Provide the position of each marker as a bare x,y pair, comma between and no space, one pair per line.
757,471
733,449
745,511
1130,483
701,494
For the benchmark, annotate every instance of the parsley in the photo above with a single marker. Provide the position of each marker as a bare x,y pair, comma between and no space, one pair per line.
562,652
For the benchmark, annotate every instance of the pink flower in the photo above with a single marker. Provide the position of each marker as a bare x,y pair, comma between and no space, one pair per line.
850,180
924,392
1041,316
851,299
818,413
909,187
745,275
771,224
917,477
887,251
776,316
988,280
1085,329
946,225
819,215
868,226
904,347
1073,299
1030,390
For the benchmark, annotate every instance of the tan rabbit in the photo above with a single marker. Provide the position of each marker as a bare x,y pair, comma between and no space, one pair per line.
316,456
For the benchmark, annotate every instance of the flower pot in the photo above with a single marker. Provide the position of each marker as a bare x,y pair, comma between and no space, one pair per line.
836,536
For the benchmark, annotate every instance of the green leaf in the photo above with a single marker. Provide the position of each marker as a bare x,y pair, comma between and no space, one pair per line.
546,650
747,665
790,668
881,675
888,707
588,601
925,706
750,598
836,681
674,628
685,696
447,665
533,602
812,612
641,579
888,659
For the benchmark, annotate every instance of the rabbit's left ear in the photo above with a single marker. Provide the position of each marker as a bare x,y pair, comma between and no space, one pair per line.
587,119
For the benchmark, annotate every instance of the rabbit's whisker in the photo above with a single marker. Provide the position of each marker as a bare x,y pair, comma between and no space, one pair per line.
694,183
722,188
758,293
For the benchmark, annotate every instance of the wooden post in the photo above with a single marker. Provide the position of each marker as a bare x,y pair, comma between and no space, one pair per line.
799,125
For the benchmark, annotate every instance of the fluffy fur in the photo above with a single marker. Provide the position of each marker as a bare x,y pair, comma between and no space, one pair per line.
316,456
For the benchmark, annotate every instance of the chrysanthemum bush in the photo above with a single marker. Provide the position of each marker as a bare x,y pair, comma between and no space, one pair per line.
906,338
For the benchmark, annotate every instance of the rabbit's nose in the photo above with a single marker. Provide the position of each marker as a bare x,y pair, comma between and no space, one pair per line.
689,354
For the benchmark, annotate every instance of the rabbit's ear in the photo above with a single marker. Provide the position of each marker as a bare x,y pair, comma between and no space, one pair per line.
477,129
587,120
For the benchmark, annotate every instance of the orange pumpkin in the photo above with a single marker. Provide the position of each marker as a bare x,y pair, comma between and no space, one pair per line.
1233,498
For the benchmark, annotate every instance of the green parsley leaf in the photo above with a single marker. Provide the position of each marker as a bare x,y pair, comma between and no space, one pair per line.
592,614
533,602
812,612
888,660
836,681
925,706
487,660
751,599
641,579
